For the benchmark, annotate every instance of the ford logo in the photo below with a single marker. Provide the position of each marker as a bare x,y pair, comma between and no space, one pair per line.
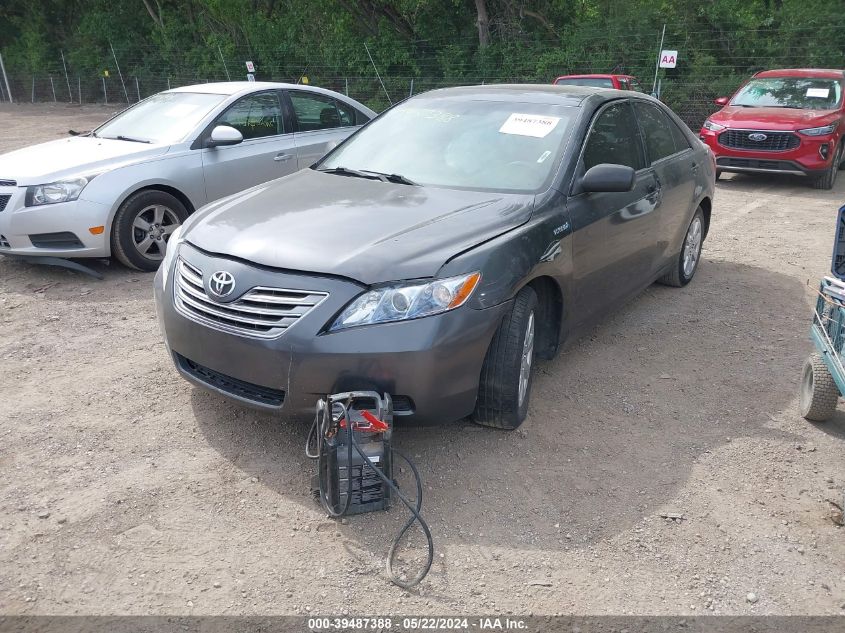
757,136
221,284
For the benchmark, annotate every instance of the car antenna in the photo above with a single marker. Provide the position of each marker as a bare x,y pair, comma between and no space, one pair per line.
367,48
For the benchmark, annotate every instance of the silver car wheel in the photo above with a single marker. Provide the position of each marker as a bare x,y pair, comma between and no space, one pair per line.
152,228
527,359
692,247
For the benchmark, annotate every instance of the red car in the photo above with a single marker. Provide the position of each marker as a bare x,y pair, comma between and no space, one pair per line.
620,82
782,121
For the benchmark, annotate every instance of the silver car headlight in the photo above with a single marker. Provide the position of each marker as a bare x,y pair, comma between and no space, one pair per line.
55,192
713,127
407,301
170,254
819,131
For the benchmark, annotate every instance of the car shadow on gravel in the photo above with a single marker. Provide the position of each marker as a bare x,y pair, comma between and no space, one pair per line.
617,421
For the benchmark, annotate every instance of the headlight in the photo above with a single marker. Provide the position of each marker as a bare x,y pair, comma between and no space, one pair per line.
54,192
407,301
819,131
713,127
170,254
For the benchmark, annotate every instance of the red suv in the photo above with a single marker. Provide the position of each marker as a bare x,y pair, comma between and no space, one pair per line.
782,121
620,82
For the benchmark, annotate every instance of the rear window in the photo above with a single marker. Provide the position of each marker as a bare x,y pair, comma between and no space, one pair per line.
593,82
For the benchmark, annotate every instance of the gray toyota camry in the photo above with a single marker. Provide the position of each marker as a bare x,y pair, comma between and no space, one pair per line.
438,252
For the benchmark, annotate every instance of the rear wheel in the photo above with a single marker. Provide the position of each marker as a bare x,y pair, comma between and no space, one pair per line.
819,394
507,373
687,262
142,226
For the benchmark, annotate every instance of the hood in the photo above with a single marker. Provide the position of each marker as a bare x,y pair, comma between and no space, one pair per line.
366,230
788,119
70,157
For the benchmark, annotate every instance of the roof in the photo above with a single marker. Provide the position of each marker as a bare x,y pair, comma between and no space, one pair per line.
596,76
527,93
821,73
230,87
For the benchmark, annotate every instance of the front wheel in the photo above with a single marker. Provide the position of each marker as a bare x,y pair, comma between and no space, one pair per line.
142,226
828,179
687,262
507,373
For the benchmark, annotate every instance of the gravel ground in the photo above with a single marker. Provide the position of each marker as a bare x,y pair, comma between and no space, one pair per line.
125,491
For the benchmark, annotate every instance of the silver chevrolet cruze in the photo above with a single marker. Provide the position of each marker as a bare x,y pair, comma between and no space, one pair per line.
125,187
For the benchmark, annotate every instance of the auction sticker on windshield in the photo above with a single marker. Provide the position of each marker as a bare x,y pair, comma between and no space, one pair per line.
822,93
529,125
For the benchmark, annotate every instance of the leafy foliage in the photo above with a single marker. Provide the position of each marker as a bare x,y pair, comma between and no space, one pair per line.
435,42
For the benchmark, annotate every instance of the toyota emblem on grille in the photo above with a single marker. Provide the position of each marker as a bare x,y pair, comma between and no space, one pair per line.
222,283
757,137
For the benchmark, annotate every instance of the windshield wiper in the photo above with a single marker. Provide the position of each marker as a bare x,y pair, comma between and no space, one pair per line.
397,178
120,137
345,171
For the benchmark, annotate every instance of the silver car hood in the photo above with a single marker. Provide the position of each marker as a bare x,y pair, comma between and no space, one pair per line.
72,157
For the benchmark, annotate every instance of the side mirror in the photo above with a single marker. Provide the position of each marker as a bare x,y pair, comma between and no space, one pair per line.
224,135
721,101
608,178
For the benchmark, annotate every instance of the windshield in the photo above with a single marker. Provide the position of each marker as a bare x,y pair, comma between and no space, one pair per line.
790,92
593,82
163,118
459,143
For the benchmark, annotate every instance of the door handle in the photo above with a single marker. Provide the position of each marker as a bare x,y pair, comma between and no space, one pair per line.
695,166
280,158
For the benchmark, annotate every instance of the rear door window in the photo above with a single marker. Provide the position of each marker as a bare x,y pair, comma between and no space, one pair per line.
658,136
319,112
613,138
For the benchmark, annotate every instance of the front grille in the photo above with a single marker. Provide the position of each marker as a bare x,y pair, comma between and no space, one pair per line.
774,141
8,183
4,243
260,312
232,386
4,200
65,239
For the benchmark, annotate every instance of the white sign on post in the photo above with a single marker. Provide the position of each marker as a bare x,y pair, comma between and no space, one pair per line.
668,59
250,67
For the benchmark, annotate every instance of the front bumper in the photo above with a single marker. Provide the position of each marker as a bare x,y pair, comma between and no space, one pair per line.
430,365
55,230
804,160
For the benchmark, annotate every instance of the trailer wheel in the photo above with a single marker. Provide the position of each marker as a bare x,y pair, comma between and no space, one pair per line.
819,394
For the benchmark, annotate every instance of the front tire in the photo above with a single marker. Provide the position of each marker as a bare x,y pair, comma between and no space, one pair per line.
142,226
507,373
690,255
819,394
828,179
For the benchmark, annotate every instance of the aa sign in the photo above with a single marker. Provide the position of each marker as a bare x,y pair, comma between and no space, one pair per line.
668,59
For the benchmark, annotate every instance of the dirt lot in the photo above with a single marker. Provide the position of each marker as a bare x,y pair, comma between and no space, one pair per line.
125,491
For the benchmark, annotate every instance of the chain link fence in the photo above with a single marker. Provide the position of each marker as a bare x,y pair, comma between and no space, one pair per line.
709,66
693,102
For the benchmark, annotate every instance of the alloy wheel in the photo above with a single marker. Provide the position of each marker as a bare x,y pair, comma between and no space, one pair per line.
692,247
527,359
151,229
